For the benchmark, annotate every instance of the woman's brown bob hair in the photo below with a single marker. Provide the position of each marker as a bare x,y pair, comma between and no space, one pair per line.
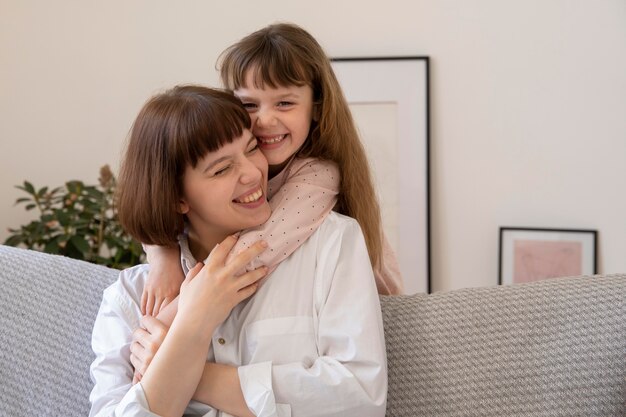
173,130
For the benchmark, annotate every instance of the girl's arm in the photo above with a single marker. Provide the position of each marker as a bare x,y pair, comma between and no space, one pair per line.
300,203
352,361
164,278
387,275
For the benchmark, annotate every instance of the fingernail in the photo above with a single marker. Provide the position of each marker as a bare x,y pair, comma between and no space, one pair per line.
264,244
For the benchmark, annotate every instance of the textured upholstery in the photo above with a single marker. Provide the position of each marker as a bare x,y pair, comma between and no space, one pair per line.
47,308
553,348
550,348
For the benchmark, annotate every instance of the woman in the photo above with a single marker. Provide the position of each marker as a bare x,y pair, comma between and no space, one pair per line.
310,340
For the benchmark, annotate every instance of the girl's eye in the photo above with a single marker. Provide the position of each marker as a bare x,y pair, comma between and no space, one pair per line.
249,106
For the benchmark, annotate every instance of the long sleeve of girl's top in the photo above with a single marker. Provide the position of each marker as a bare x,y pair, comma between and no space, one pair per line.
349,376
111,371
300,197
387,274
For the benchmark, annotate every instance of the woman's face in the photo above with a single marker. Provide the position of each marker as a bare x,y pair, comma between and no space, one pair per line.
226,191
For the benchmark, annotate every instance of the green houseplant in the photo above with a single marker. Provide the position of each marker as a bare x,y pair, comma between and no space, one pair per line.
78,221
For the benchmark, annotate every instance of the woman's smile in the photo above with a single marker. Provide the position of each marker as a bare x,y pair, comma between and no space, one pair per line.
252,199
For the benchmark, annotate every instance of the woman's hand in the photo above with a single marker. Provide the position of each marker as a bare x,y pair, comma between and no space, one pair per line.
146,342
219,288
210,291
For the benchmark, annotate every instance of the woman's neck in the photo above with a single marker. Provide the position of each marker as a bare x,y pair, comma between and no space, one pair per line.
201,246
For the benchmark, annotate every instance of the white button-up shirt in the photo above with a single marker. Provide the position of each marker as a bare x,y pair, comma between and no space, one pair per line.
309,343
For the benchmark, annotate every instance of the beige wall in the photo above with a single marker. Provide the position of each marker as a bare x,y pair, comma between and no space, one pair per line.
528,101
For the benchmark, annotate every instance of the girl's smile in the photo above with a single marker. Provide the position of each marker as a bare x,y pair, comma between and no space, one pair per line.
281,118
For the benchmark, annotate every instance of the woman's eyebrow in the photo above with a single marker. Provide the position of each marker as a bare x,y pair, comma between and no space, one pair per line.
226,157
217,161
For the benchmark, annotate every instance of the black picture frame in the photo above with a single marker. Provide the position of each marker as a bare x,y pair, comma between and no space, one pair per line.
399,87
528,254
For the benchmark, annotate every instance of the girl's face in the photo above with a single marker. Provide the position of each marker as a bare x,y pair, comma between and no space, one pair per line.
226,190
281,119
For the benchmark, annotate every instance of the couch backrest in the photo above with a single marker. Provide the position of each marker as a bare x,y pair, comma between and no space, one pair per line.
550,348
556,347
47,308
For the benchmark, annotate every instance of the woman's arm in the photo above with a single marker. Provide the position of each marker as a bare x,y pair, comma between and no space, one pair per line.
349,376
207,296
219,385
111,370
184,349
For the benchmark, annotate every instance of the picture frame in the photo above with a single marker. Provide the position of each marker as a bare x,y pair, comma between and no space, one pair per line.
531,254
389,99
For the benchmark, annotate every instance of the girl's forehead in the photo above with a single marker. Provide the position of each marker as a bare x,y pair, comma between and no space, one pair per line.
266,77
278,92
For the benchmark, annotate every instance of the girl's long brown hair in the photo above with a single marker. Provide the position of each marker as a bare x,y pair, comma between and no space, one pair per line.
283,55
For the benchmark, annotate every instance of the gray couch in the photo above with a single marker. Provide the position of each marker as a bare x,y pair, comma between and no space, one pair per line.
551,348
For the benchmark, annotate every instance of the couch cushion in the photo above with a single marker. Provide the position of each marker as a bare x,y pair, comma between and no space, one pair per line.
44,369
556,347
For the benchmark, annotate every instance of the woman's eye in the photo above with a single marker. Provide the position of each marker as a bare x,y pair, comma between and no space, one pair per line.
253,148
221,171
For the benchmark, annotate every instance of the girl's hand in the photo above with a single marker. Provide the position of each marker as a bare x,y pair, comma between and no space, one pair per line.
146,341
210,291
164,279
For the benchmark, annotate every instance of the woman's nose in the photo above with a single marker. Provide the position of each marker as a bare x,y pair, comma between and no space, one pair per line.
250,173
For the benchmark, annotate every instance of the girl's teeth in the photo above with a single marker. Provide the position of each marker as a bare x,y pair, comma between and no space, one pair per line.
250,198
273,140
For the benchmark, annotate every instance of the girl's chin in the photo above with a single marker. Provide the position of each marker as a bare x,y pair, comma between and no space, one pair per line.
275,168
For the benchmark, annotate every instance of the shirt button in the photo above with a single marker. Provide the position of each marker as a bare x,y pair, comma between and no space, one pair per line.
221,341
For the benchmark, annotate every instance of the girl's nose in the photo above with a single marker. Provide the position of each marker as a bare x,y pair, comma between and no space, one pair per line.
265,118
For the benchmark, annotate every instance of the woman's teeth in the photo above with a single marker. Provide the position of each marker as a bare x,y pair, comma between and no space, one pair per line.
273,139
250,197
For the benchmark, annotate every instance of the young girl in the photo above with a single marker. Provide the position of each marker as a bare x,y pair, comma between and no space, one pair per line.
317,162
311,340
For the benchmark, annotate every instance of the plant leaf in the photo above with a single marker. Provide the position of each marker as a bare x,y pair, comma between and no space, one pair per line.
14,240
80,243
28,187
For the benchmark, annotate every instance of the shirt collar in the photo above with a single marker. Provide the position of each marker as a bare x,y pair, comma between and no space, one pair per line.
187,260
